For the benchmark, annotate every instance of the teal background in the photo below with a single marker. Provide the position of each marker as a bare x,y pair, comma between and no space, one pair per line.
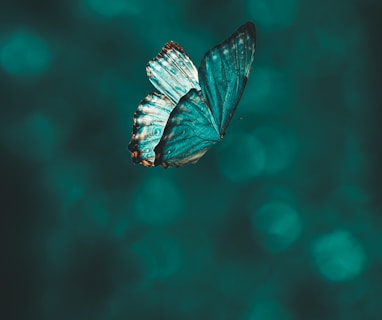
281,220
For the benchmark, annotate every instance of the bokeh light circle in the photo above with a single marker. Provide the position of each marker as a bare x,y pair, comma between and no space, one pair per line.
276,225
339,256
279,146
25,54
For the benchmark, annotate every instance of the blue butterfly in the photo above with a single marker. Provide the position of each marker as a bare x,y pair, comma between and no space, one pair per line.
193,110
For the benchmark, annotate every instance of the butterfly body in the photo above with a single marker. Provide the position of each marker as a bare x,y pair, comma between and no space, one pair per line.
193,110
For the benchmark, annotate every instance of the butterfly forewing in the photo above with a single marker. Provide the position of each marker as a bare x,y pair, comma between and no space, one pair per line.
224,71
189,133
149,122
172,72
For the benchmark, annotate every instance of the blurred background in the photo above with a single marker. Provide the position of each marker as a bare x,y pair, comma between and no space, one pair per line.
280,221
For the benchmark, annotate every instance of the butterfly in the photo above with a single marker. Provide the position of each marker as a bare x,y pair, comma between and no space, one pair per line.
194,107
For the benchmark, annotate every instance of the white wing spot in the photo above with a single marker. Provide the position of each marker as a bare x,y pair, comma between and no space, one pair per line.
241,41
144,109
173,56
145,120
225,51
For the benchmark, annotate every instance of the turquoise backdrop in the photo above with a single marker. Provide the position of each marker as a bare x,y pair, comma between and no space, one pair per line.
279,221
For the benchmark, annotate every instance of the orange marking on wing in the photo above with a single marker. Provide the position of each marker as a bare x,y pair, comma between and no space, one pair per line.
147,163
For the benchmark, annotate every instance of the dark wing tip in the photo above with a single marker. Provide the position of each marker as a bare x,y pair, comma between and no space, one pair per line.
171,45
248,27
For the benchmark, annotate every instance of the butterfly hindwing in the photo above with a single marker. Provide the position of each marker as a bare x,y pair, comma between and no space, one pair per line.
224,71
149,122
189,133
172,72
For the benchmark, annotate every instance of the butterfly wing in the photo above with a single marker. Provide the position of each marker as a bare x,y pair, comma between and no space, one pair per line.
148,125
172,72
178,126
224,71
190,131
